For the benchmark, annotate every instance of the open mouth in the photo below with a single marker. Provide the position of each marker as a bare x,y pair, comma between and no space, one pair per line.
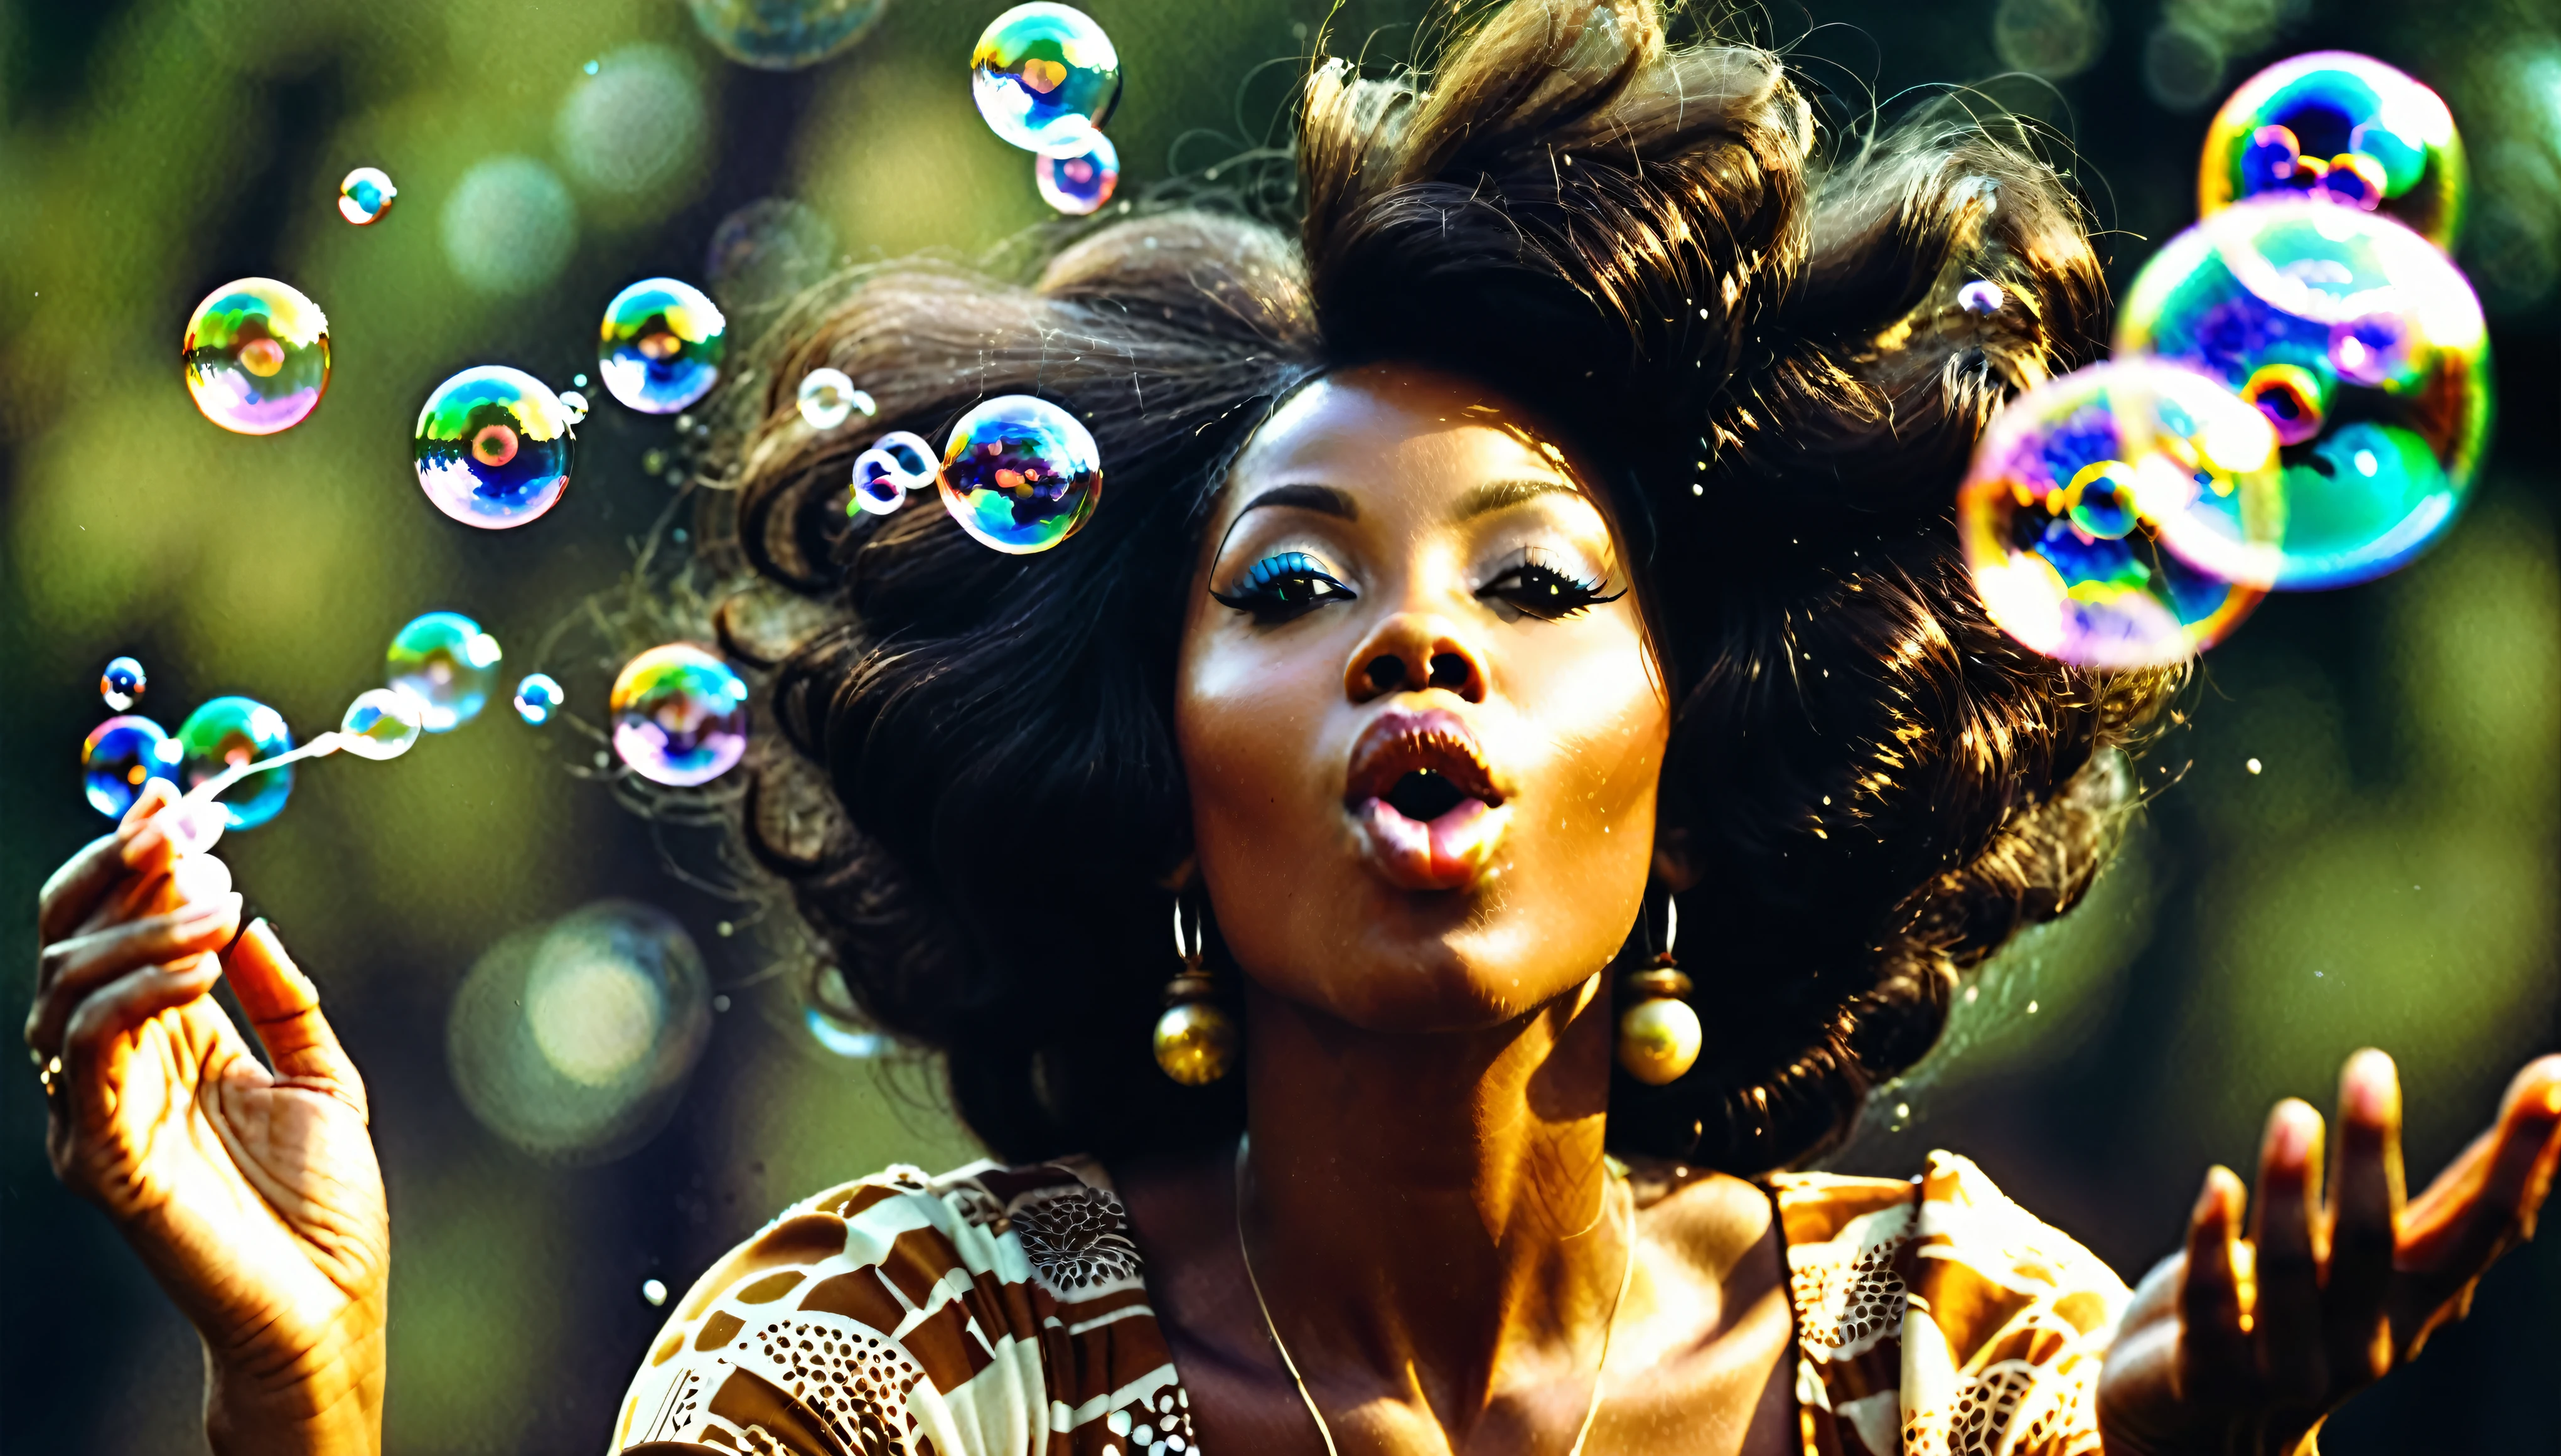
1427,803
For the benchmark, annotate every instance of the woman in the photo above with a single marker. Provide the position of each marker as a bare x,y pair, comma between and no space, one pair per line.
1551,534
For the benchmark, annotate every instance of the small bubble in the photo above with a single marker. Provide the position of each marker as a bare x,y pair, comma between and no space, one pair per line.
590,67
652,1290
1902,1110
726,930
122,684
2252,765
2031,1008
719,1002
365,196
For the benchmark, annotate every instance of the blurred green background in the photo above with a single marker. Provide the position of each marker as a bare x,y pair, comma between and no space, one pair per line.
2387,874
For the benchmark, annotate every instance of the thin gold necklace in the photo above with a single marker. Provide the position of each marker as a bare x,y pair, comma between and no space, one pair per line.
1627,1272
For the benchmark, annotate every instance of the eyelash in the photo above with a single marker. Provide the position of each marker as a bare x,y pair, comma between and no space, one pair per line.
1279,587
1535,589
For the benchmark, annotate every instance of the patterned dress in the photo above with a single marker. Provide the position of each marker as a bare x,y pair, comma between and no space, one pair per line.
995,1312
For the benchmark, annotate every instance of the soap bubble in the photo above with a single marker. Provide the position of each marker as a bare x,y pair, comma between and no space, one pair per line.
576,404
844,1040
1045,77
2072,498
257,355
660,345
1981,296
225,734
119,756
365,196
1083,182
637,126
509,227
783,34
493,447
446,662
1020,474
2344,128
575,1040
679,716
767,251
2365,349
537,697
382,724
122,684
898,463
828,399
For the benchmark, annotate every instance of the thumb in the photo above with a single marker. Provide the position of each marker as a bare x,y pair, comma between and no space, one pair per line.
284,1007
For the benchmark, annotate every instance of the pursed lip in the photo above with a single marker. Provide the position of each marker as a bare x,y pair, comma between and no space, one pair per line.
1450,850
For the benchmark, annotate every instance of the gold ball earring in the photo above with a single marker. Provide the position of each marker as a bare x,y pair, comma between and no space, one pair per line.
1195,1038
1658,1031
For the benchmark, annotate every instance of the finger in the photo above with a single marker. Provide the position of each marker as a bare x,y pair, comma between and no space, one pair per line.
2286,1324
99,1039
2364,1220
70,970
72,891
2215,1362
285,1007
2481,1205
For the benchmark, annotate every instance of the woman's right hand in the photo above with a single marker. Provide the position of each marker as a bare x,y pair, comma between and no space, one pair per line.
252,1195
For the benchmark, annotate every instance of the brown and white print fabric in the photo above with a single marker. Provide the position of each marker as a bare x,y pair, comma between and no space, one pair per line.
995,1312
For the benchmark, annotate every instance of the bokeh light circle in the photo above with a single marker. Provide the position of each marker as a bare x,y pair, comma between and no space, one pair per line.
1080,184
493,447
2067,512
2366,350
783,34
574,1040
225,734
119,756
538,697
1045,77
2344,128
446,662
637,126
828,399
122,684
382,724
660,346
1020,474
365,196
257,355
508,227
766,252
679,716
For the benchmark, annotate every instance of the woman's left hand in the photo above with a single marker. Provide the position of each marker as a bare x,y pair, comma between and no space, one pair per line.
2246,1345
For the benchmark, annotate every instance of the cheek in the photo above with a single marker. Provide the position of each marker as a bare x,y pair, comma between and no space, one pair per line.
1248,718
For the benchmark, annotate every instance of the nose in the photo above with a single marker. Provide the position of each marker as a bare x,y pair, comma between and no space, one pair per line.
1415,652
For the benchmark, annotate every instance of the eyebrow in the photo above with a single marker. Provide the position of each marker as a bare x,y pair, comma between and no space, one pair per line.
1502,494
1324,500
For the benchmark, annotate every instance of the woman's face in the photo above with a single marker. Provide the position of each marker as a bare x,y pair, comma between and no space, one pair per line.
1415,710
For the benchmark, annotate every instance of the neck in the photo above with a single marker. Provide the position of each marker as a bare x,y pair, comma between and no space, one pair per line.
1434,1208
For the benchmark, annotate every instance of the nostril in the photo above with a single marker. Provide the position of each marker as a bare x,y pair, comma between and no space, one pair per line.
1450,670
1386,673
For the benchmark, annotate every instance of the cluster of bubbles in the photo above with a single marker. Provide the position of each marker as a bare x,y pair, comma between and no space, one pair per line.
574,1040
365,196
1046,77
1019,473
2299,396
257,355
828,399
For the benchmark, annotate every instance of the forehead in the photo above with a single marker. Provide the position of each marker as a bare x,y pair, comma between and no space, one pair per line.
1396,424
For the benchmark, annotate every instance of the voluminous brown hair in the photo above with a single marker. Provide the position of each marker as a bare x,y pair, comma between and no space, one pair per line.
1761,349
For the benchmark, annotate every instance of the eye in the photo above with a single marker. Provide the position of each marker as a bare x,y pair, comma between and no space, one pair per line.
1279,587
1535,589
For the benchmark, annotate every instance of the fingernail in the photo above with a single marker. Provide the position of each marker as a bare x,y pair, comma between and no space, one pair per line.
195,825
2291,1137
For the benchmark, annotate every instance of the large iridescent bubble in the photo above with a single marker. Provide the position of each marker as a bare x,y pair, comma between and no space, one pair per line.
2344,128
119,756
226,733
1083,182
660,346
1045,77
257,355
2365,349
2063,515
446,662
679,716
783,34
574,1040
494,447
1020,473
